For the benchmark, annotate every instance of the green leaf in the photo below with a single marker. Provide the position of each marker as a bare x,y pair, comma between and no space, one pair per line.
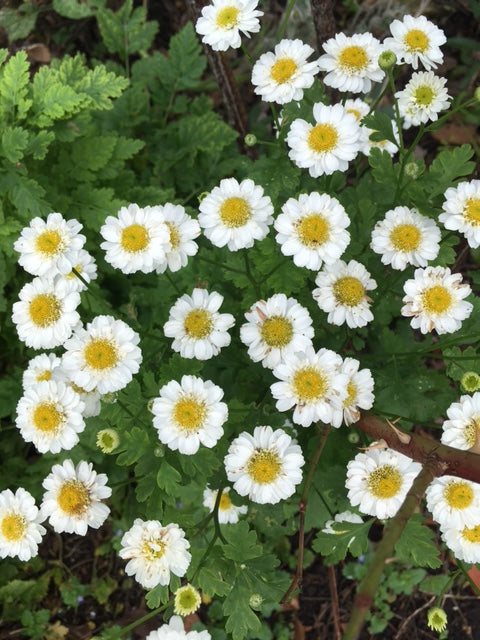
39,143
14,143
14,83
459,361
161,593
241,620
134,443
168,478
381,127
101,86
125,32
349,536
242,543
20,22
27,196
448,166
210,581
72,9
417,544
185,63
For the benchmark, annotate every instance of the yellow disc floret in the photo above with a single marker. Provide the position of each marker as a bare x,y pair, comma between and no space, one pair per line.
45,309
49,243
405,237
472,534
277,331
424,95
189,413
47,418
13,526
283,70
153,549
436,299
322,138
352,392
385,482
471,211
198,323
73,498
349,291
416,41
235,212
174,234
458,494
472,430
101,354
227,17
264,466
313,230
309,384
134,238
353,59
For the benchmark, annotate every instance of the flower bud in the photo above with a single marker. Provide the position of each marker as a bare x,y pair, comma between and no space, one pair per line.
159,451
187,600
387,60
108,440
250,139
437,619
412,170
109,398
255,601
470,381
353,437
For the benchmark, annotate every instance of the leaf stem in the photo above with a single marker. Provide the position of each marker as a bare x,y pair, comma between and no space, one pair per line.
146,617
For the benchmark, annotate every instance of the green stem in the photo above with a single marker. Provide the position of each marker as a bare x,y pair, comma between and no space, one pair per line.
248,272
247,55
446,116
146,617
283,26
275,117
398,119
80,277
463,570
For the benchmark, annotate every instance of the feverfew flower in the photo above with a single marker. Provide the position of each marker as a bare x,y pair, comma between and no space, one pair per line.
189,414
283,75
406,237
462,428
222,21
236,214
85,265
174,630
416,40
342,293
464,541
73,496
422,99
454,502
20,528
187,600
434,300
329,144
183,230
227,511
461,211
276,328
40,368
437,619
367,144
312,229
351,62
48,247
266,466
359,390
104,356
154,551
49,414
378,481
199,331
358,107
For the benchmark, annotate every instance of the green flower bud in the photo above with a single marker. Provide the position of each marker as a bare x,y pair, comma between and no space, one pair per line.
255,601
437,619
109,398
470,381
353,437
187,600
412,170
159,451
250,139
108,440
387,60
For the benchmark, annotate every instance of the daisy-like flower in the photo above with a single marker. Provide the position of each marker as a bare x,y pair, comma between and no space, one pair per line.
406,237
358,107
183,230
454,502
282,76
312,383
276,328
351,62
137,239
49,414
416,40
187,600
422,99
434,300
384,145
222,21
46,314
236,214
378,481
312,229
174,630
359,389
462,428
342,293
227,511
189,414
266,466
464,541
73,497
329,144
461,211
154,551
199,331
85,265
104,356
48,247
20,528
437,619
40,368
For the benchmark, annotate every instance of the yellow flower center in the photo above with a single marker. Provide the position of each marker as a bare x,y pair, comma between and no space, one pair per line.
349,291
135,238
436,299
309,384
198,323
44,375
472,535
356,113
313,230
458,494
153,549
235,212
174,235
227,18
416,41
471,431
71,275
187,600
47,418
352,392
73,498
385,482
225,502
283,70
424,95
49,243
322,138
100,354
78,389
45,309
405,237
13,527
189,413
471,211
277,331
264,466
353,59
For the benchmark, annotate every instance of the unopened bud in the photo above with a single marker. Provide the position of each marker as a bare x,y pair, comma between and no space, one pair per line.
250,139
159,451
255,601
412,170
470,381
187,600
353,437
109,398
387,60
108,440
437,619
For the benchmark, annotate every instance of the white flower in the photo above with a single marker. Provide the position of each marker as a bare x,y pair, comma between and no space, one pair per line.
266,466
48,247
311,382
454,502
276,329
222,21
434,300
236,214
342,293
183,229
405,237
359,390
227,511
378,481
422,99
462,428
461,211
154,551
40,368
199,331
312,229
383,145
45,314
91,399
104,356
85,265
351,62
49,414
189,414
464,541
329,144
283,75
174,630
137,239
20,528
416,40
